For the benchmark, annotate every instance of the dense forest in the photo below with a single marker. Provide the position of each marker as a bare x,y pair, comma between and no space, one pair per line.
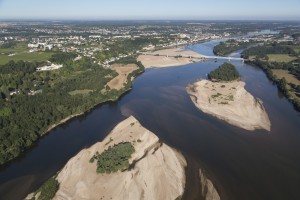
226,72
26,114
230,46
62,57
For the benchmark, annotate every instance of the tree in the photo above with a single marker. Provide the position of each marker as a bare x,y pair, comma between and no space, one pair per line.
4,92
113,159
298,88
226,72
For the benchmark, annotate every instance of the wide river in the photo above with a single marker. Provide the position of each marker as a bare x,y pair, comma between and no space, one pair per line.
243,164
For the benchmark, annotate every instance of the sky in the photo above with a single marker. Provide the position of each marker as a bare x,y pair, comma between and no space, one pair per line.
150,9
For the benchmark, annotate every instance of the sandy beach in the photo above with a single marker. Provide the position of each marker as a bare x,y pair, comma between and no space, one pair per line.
230,102
152,61
158,168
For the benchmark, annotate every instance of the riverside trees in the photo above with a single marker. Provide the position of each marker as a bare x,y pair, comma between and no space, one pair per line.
24,118
261,53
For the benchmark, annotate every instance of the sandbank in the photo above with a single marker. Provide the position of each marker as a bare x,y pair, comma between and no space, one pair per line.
230,102
152,61
158,173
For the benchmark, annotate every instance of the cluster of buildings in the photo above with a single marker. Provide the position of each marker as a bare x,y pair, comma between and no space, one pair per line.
258,38
88,41
49,67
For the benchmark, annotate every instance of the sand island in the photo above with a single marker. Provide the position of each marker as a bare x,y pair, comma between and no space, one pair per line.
225,97
151,59
130,163
153,170
154,167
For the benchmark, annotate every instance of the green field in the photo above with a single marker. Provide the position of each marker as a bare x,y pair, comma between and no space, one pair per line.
281,58
26,56
22,53
19,47
278,58
297,49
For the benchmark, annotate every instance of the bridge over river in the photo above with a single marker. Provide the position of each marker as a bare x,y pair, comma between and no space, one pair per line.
199,56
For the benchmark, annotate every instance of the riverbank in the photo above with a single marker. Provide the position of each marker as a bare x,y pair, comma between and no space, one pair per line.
284,85
118,83
155,61
229,101
156,171
211,147
62,122
124,83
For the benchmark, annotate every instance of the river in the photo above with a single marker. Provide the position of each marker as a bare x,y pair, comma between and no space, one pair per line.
243,164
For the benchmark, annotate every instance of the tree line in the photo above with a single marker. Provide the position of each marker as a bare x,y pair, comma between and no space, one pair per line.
281,83
267,67
262,51
230,46
62,57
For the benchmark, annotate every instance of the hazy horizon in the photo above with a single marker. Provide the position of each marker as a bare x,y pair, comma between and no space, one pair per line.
149,10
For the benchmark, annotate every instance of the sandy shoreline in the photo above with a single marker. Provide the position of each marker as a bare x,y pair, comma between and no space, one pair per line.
152,61
157,168
158,171
231,103
62,122
208,190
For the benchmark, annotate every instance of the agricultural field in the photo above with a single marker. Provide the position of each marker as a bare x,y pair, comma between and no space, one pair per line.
290,78
277,58
281,58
